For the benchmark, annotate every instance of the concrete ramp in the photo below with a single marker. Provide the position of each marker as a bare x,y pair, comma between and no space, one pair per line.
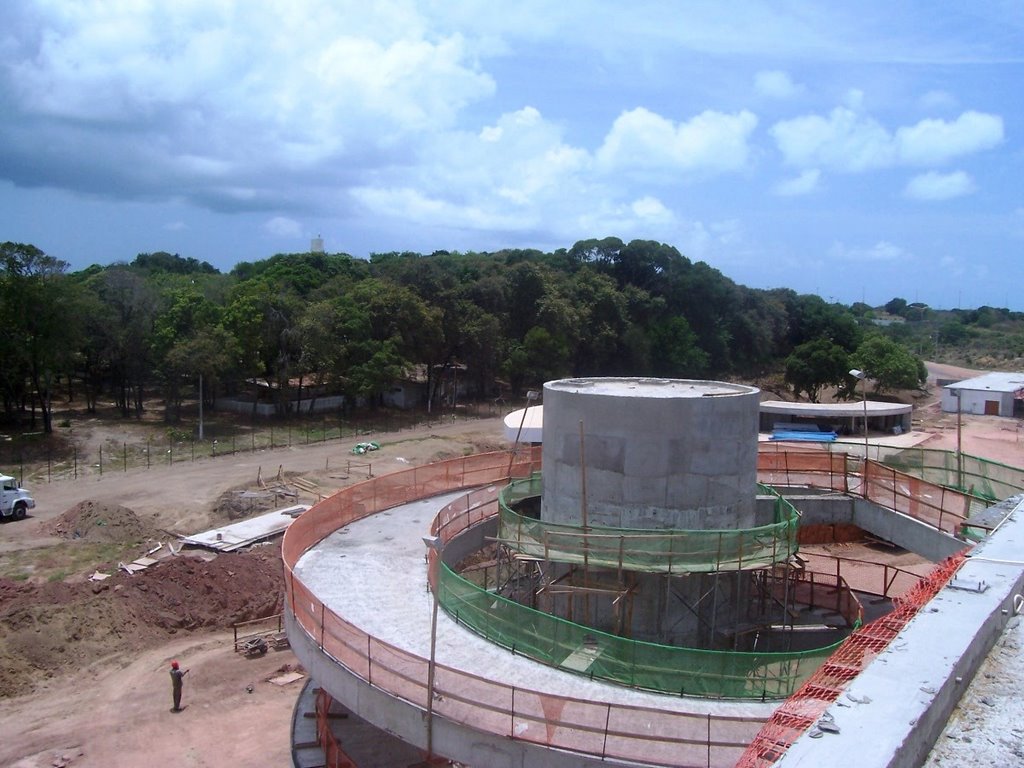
228,538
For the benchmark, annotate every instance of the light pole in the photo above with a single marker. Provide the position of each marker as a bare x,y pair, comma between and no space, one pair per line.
433,544
862,377
959,454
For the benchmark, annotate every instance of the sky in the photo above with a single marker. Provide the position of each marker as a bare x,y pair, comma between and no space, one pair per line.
858,151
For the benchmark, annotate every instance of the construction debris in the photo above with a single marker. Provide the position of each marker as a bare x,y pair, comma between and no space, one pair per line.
228,538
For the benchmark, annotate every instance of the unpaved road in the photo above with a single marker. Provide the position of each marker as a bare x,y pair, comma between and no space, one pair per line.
115,711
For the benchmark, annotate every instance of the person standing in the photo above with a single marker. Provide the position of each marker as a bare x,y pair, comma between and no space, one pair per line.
176,677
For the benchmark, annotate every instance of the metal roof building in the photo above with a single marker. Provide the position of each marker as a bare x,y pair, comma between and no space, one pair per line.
993,394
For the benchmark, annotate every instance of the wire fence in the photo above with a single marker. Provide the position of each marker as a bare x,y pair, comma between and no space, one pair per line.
36,458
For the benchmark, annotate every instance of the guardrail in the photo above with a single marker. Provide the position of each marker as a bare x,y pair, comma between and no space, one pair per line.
941,507
603,729
597,728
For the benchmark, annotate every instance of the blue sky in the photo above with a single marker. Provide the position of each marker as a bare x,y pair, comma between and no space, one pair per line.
859,151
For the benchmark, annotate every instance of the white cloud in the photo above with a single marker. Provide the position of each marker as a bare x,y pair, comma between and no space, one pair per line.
202,100
803,184
939,186
842,141
711,142
509,176
776,84
849,141
880,251
282,226
651,209
934,142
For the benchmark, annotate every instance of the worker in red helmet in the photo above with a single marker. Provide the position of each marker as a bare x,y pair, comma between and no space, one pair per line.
177,673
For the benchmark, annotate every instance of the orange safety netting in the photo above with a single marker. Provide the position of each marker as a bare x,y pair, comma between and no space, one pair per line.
804,707
334,755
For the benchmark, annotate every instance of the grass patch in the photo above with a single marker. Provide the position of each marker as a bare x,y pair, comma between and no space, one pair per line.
57,562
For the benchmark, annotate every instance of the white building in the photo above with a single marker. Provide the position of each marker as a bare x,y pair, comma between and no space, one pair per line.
993,394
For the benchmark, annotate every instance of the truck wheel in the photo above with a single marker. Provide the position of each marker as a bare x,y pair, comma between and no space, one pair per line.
19,511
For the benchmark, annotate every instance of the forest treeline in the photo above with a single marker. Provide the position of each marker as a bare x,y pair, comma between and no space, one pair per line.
344,325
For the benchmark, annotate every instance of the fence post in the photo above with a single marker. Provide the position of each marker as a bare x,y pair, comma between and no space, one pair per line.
607,720
74,451
271,437
124,454
47,464
709,739
193,449
101,461
170,451
149,450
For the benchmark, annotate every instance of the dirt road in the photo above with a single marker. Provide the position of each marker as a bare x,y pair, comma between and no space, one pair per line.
113,710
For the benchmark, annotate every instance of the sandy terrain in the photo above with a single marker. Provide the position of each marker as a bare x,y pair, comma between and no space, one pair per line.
98,655
111,709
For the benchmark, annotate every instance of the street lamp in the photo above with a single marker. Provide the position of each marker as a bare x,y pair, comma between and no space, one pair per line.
862,376
433,544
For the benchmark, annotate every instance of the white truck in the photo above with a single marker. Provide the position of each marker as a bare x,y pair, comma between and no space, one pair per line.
14,500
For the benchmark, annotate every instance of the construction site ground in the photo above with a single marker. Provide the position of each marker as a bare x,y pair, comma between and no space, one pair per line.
84,665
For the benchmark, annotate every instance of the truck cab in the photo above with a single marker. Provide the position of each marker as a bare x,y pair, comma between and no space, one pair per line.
15,501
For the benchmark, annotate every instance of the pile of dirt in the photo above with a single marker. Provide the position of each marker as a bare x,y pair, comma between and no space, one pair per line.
47,630
96,521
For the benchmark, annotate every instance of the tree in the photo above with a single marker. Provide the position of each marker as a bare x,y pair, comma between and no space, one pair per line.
889,364
187,329
540,357
675,352
816,364
39,329
896,306
262,319
811,318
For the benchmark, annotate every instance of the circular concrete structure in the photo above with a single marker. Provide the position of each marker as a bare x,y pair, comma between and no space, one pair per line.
657,453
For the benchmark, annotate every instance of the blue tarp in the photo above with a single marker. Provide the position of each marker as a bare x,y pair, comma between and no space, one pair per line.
803,436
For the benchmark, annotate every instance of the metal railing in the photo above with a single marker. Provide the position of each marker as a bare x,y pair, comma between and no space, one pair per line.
597,728
604,729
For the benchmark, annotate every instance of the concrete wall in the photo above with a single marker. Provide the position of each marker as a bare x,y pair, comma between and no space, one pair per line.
973,401
658,453
894,711
408,722
900,529
320,405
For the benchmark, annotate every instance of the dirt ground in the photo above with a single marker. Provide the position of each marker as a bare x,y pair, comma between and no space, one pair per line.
84,666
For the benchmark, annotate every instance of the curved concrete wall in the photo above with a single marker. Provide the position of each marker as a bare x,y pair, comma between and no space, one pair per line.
659,453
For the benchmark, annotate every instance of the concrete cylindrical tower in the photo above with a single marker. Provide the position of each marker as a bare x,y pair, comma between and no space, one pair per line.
659,453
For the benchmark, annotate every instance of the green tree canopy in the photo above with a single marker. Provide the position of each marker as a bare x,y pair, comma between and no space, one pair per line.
816,364
889,364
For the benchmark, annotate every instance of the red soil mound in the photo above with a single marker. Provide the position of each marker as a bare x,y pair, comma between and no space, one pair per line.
48,629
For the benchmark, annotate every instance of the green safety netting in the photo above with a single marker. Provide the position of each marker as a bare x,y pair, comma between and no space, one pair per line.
646,550
651,666
979,477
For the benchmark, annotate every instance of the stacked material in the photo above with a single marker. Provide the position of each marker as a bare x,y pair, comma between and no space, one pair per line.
803,436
